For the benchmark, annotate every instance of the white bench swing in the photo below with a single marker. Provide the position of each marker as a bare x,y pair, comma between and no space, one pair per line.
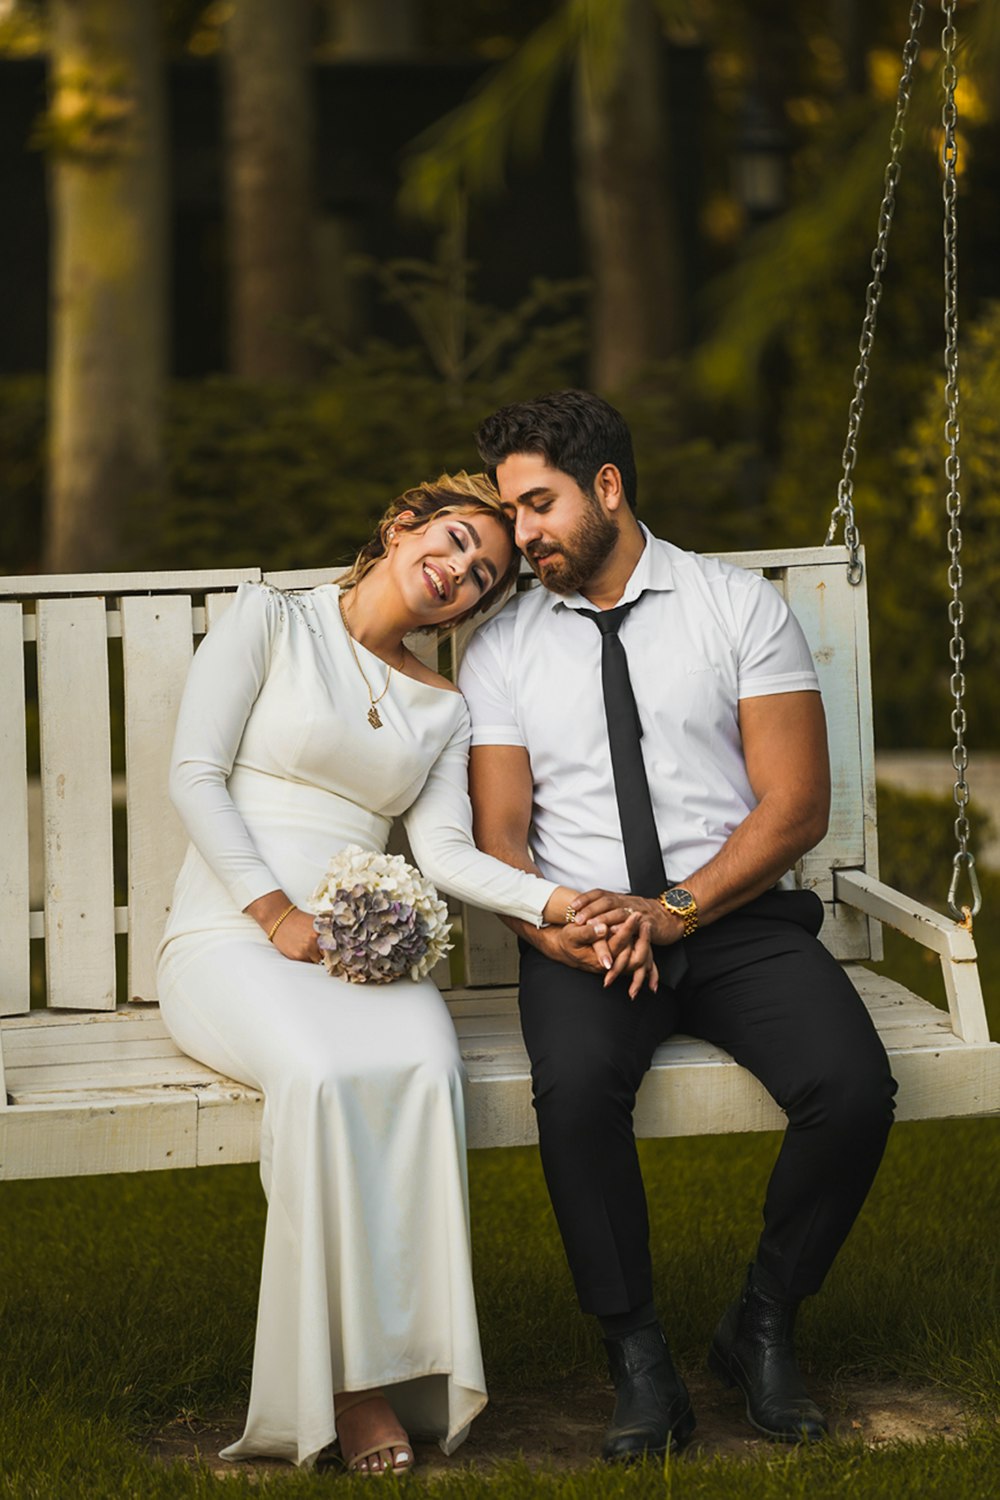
90,1080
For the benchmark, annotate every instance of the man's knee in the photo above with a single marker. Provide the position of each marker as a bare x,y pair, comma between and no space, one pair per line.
581,1090
852,1095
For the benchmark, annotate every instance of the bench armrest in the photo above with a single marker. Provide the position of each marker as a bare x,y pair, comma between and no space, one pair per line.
949,939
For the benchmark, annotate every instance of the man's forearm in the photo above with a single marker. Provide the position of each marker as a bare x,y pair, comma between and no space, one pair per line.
538,937
764,847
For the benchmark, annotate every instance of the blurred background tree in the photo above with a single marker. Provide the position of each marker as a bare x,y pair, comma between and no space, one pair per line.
386,216
270,213
103,136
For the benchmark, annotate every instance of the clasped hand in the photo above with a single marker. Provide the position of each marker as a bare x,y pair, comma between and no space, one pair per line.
616,933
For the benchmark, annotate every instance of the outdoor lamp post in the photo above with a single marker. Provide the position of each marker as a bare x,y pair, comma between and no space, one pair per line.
761,153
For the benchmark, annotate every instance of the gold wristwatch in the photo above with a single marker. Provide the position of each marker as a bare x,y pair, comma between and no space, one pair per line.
679,902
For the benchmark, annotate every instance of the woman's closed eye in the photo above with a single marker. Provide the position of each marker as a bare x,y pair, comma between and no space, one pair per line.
462,540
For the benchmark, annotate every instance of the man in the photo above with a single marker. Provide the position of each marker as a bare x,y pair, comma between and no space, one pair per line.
649,723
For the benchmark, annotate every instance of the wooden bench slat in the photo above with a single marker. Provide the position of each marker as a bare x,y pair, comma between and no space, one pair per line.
919,1037
489,949
38,1054
890,1017
76,803
115,1073
48,1021
15,987
61,585
494,1002
84,1137
156,650
828,617
215,607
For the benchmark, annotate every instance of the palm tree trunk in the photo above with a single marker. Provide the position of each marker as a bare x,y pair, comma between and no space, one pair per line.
267,92
108,294
623,188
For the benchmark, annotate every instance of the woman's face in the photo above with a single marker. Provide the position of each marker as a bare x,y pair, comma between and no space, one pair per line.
444,567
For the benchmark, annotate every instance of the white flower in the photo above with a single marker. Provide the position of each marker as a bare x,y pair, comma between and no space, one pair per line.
378,918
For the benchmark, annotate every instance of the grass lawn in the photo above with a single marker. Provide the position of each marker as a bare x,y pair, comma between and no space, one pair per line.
126,1302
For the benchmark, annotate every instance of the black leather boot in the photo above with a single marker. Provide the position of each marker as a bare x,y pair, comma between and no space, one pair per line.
753,1349
652,1407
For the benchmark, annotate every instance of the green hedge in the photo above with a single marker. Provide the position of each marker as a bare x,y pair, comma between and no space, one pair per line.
295,476
916,840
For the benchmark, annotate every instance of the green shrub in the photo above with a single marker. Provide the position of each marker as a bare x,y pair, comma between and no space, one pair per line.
916,837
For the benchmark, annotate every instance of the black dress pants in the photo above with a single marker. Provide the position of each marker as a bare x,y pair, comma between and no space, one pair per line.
761,986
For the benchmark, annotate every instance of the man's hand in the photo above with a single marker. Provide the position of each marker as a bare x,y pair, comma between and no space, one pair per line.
615,909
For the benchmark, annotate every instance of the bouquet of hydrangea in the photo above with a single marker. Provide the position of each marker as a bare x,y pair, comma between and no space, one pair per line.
377,918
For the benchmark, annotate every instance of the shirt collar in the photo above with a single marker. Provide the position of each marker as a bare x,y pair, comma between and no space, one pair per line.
653,573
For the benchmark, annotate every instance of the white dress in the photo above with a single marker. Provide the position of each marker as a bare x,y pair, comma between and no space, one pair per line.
366,1277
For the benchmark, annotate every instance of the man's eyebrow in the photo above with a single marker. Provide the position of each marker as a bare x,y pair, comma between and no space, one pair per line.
488,563
528,497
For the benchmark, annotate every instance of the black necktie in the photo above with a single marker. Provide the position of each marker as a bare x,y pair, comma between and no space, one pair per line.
643,855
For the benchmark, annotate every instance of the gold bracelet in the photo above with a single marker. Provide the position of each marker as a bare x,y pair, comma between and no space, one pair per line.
570,915
275,925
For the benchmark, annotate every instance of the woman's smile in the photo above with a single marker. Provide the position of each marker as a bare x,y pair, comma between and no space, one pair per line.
437,583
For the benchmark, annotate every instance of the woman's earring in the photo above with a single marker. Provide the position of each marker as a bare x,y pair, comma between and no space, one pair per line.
391,533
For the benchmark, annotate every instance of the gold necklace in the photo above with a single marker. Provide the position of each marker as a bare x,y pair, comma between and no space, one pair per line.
374,717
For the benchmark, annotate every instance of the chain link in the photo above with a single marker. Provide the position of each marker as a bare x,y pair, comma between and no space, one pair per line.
964,859
844,508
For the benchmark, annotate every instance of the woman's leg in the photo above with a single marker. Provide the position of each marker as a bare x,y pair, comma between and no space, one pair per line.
366,1279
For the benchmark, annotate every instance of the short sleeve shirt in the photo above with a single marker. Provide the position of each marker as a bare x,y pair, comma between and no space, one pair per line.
703,636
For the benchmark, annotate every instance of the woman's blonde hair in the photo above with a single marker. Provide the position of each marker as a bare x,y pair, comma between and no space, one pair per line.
449,494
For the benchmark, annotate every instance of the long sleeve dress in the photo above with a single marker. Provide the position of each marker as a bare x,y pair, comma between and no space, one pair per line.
366,1277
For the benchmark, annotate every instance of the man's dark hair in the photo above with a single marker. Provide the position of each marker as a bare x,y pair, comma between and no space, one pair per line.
574,431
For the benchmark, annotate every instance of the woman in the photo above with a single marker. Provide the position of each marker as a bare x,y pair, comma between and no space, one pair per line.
307,725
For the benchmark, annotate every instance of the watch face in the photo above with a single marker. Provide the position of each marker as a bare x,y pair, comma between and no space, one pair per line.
679,898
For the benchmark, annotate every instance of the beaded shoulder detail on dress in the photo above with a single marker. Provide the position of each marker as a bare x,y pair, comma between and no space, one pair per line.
293,602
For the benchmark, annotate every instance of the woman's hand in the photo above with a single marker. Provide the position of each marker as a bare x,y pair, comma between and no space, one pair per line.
632,953
295,936
597,948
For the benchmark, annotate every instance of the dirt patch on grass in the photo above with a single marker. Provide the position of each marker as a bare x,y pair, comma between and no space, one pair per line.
561,1427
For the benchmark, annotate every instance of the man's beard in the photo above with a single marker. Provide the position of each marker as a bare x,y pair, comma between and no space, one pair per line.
580,555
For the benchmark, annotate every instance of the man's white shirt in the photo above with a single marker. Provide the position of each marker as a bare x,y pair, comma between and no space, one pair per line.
703,636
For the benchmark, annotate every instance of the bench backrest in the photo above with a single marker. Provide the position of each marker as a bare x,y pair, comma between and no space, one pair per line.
101,662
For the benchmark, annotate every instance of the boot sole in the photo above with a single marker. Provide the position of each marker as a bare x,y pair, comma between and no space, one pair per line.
723,1372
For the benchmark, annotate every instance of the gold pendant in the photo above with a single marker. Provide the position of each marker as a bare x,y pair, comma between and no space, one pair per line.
374,717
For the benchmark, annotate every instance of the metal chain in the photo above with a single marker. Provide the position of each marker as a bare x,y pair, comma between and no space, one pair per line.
844,508
964,859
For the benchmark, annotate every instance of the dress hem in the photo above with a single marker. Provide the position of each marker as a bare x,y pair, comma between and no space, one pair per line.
243,1451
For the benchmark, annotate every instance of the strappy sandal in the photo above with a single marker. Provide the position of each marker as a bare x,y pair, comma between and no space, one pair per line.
397,1457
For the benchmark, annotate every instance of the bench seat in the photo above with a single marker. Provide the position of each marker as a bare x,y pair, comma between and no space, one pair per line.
92,847
110,1092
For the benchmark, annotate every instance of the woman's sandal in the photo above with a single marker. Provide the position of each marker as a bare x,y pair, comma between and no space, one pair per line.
395,1452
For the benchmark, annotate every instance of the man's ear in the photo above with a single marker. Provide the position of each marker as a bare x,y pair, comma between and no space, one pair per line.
608,487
